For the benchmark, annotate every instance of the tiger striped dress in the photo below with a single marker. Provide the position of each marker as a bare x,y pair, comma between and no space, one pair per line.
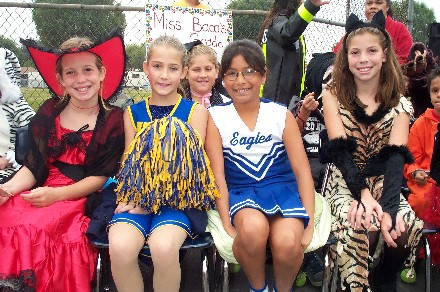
352,248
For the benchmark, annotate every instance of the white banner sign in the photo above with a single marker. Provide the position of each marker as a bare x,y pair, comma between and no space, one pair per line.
212,27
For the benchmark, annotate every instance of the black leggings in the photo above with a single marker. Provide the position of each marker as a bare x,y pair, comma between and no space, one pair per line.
384,276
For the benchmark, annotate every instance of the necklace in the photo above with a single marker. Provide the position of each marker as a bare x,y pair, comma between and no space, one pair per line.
83,108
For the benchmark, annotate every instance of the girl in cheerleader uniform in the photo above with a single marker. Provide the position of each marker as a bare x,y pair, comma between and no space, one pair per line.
165,184
260,166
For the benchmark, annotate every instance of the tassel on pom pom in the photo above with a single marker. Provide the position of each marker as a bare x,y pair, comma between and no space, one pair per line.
166,164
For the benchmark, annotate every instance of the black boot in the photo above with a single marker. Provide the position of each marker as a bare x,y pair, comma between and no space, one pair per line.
387,270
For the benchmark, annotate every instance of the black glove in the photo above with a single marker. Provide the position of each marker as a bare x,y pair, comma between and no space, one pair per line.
395,157
340,153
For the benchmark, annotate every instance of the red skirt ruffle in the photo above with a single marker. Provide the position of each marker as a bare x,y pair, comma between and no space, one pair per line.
431,216
45,249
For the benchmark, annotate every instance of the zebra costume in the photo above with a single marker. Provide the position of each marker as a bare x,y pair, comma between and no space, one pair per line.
15,111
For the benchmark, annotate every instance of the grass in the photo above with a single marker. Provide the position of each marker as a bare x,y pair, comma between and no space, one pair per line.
36,96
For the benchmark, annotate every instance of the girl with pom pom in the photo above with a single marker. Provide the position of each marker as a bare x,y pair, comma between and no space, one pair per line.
165,184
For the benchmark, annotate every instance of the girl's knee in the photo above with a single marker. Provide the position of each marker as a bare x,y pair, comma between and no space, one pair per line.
164,252
124,244
287,247
253,230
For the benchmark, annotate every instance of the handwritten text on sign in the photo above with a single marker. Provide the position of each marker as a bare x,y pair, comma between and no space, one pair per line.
212,27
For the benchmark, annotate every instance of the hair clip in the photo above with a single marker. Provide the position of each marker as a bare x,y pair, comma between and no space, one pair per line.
189,46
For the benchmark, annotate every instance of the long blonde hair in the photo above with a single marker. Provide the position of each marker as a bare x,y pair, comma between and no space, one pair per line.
173,42
199,50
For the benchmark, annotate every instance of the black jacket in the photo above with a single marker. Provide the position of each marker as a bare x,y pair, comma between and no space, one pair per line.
285,54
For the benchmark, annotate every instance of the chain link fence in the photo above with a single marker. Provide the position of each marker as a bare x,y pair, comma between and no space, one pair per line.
53,21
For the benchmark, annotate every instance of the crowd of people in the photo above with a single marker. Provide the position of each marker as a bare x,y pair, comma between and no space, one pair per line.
239,138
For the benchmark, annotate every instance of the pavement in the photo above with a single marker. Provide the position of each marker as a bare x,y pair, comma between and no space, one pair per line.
192,279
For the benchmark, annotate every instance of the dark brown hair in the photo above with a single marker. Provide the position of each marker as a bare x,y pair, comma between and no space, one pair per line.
390,80
287,7
434,74
250,51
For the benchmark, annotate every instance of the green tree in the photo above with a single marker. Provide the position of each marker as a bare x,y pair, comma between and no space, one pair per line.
248,26
57,25
400,10
136,56
423,16
19,51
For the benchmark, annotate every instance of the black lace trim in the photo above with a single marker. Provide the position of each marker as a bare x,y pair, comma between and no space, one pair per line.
362,117
69,140
25,282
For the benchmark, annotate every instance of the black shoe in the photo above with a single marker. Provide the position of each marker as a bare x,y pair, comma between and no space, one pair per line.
314,269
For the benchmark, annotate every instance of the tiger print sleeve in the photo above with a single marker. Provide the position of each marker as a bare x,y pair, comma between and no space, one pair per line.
404,106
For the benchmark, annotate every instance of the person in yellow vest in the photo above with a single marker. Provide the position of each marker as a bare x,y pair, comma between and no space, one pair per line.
284,48
190,3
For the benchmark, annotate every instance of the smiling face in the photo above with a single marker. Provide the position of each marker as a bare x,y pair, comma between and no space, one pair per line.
202,72
81,77
243,90
434,92
165,70
373,6
365,57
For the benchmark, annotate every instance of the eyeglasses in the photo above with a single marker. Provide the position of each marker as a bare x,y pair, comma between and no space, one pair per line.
232,75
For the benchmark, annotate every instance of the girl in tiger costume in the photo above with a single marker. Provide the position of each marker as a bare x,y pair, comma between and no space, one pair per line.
367,120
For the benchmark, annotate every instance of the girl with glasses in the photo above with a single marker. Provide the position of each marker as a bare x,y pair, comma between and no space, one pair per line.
267,194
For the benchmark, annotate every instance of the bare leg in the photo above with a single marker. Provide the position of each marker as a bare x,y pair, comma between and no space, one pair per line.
287,253
165,243
250,244
125,242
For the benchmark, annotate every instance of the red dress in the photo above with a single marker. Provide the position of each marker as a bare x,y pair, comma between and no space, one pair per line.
45,249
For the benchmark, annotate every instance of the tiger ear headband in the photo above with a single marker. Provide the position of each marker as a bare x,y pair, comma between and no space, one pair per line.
353,23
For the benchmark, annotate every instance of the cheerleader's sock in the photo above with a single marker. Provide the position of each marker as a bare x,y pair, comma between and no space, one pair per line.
265,289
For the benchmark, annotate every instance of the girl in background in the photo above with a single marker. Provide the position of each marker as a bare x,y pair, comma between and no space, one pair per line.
399,33
168,204
421,143
267,194
284,48
423,175
75,142
202,75
367,120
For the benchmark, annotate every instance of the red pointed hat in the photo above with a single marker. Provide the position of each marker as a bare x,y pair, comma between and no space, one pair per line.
111,51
